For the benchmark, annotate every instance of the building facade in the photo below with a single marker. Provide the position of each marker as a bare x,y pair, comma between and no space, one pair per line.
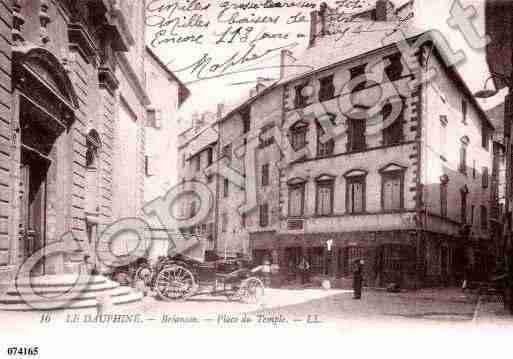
198,149
162,126
72,124
412,197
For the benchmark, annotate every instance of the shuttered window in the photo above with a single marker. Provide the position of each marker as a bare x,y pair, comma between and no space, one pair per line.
392,132
356,194
392,191
324,148
325,197
443,200
298,135
296,200
264,215
356,139
485,177
265,174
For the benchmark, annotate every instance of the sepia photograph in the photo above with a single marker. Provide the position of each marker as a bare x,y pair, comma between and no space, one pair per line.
255,178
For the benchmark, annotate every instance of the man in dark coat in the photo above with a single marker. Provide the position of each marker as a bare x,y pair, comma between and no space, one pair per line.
358,279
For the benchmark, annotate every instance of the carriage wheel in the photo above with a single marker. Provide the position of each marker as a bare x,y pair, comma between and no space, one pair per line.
251,290
174,282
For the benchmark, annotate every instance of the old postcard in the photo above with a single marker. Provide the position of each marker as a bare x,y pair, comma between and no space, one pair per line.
255,177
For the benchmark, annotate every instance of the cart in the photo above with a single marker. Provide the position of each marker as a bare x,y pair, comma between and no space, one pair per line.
184,273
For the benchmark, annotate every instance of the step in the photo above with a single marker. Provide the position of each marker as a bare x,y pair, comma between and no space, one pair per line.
59,280
95,287
15,299
79,304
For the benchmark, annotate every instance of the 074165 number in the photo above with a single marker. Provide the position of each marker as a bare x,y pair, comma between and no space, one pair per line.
23,351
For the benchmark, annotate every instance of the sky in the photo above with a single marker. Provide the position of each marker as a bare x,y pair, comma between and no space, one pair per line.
233,89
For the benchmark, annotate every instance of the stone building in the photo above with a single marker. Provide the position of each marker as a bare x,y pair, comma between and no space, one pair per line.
162,126
198,149
72,126
411,197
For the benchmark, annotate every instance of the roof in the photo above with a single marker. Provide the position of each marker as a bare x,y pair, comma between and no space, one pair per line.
204,138
172,76
328,53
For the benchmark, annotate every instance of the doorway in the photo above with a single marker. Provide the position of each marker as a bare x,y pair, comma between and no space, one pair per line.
35,163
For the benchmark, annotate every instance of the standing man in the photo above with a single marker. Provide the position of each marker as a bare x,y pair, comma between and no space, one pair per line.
304,268
358,279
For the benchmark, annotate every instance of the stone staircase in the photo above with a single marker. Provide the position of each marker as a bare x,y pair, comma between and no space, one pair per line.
54,292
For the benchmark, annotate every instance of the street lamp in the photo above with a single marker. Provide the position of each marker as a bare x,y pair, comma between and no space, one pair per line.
508,117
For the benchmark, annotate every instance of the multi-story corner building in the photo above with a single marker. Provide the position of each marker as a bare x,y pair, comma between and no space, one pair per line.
72,123
162,126
411,197
198,149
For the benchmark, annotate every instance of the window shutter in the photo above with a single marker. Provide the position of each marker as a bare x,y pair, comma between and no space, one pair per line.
358,197
158,119
485,177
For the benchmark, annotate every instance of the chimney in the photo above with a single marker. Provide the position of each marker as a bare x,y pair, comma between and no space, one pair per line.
194,120
260,84
286,59
382,7
220,110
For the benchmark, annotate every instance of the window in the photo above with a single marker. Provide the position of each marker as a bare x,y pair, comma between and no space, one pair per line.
463,155
443,137
355,194
246,119
266,137
392,198
463,205
484,217
296,199
148,165
325,197
324,148
264,215
226,187
392,133
298,135
474,174
354,73
183,160
227,152
300,100
93,145
327,90
356,135
464,110
210,156
485,137
485,177
395,69
472,211
243,220
265,174
224,222
197,160
443,199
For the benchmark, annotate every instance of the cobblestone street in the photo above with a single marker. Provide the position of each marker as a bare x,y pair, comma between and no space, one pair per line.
333,309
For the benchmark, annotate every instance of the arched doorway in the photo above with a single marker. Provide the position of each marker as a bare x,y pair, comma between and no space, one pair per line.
45,104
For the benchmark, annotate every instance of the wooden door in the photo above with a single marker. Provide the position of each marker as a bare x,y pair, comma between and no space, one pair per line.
32,206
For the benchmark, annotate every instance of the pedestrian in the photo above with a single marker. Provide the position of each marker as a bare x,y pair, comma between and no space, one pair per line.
304,270
358,279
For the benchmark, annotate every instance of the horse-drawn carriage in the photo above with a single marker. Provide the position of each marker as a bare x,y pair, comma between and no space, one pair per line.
184,273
